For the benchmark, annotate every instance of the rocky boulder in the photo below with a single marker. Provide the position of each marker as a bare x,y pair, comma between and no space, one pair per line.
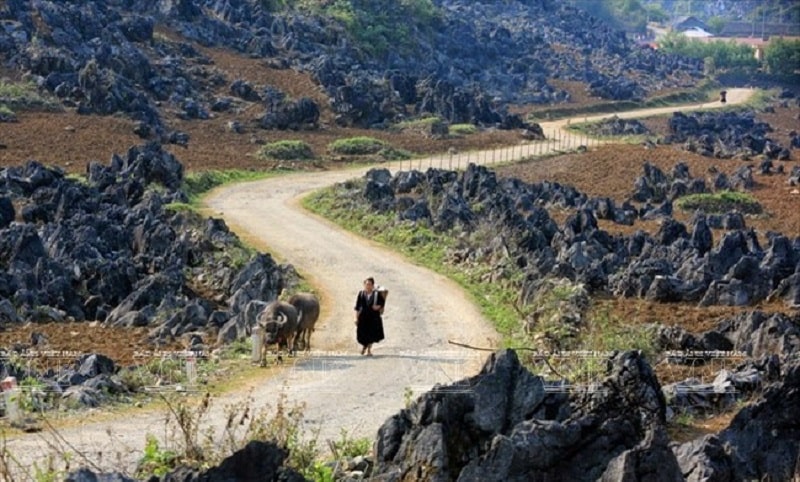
761,442
504,424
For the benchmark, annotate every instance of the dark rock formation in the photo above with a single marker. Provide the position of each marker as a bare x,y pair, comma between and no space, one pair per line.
762,442
462,64
504,424
722,135
677,264
110,250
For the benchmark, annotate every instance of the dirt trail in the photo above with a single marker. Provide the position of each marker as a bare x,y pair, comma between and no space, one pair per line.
340,388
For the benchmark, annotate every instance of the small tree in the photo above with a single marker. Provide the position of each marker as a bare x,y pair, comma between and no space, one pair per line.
782,56
709,66
716,24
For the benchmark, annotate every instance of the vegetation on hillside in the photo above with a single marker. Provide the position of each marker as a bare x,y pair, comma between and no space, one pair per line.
16,96
722,55
377,25
628,15
782,57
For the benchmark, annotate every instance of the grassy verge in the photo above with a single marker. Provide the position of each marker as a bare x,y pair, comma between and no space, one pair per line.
196,184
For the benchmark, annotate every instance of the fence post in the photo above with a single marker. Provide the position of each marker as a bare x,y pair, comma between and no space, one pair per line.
257,340
11,394
191,371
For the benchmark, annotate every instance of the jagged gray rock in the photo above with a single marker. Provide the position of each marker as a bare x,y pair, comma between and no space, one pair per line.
503,425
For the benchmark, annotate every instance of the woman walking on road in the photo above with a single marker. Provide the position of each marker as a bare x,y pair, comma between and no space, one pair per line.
369,323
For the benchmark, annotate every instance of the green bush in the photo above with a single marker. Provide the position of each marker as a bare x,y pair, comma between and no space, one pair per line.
156,460
197,183
724,55
381,26
720,202
356,146
462,129
428,126
286,150
6,113
782,56
421,123
393,154
24,95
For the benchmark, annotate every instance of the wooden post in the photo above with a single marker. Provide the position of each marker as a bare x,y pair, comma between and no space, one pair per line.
257,340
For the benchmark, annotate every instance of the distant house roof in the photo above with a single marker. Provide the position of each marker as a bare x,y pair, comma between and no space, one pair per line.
696,32
681,24
759,29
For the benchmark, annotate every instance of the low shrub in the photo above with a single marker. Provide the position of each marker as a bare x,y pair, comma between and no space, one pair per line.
6,114
434,127
357,146
720,202
462,129
286,150
24,95
394,154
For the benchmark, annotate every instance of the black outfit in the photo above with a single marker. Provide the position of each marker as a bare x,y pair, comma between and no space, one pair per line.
370,323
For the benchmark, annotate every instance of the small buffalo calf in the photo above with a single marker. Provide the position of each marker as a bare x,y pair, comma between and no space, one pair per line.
278,321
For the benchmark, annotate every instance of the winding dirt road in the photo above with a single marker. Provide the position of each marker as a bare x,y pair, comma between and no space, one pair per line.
340,388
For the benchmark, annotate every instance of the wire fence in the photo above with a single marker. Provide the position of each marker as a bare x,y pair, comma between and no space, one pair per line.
556,141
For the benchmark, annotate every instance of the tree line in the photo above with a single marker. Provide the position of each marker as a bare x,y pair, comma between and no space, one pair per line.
781,56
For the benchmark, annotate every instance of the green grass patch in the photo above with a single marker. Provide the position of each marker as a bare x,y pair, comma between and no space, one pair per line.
720,202
24,96
390,153
179,207
380,26
286,150
357,146
195,184
6,113
462,129
17,90
422,123
608,333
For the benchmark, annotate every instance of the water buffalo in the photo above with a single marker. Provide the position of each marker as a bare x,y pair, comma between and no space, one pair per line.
307,306
278,322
